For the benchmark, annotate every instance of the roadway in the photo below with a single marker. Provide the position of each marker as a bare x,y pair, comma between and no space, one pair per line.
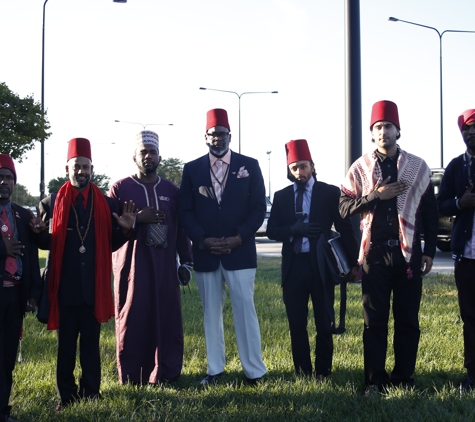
443,262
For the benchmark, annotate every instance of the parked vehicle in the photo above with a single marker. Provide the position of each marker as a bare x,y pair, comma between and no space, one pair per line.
444,231
263,228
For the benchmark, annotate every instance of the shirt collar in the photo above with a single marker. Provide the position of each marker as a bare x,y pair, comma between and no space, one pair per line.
7,206
85,194
226,158
383,157
308,186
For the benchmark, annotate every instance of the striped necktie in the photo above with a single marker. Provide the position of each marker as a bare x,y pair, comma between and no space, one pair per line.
219,180
298,211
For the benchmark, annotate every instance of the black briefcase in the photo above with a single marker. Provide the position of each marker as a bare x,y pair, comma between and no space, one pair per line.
342,260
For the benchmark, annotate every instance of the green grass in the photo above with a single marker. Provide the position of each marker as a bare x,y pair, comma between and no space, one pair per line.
282,396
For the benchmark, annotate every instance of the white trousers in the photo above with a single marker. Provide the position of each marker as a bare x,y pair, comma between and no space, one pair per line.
211,286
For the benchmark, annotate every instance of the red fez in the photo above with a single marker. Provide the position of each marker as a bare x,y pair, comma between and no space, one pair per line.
297,151
6,162
384,110
217,117
467,117
79,147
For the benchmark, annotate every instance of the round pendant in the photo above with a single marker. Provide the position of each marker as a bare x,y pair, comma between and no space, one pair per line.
4,228
82,249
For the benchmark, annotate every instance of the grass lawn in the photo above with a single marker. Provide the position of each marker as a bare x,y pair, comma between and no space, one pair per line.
282,396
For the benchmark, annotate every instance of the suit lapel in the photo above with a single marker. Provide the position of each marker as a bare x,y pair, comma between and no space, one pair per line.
289,205
313,203
232,176
19,226
206,172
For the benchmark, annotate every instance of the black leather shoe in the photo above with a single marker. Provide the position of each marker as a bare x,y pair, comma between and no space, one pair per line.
373,390
210,379
65,403
254,381
322,378
467,384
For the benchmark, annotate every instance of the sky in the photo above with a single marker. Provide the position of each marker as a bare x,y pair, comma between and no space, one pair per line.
144,61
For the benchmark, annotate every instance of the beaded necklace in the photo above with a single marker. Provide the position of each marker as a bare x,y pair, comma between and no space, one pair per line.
82,248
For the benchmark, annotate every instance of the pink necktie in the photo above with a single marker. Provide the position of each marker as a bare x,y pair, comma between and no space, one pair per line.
10,264
219,180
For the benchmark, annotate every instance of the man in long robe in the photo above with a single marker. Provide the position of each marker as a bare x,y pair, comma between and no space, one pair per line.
149,327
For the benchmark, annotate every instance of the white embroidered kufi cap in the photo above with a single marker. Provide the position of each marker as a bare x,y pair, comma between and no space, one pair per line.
147,137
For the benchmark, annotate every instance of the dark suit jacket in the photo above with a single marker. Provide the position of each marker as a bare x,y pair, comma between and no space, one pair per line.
242,209
31,269
454,184
323,211
77,273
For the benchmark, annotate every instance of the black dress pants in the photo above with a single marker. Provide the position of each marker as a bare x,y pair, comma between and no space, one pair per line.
301,284
465,280
11,320
77,321
385,272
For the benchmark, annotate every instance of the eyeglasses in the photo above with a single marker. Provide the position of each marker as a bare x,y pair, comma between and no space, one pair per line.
220,135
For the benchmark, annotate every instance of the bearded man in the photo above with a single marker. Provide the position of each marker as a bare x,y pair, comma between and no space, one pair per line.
222,204
392,191
149,328
80,227
457,197
19,274
302,215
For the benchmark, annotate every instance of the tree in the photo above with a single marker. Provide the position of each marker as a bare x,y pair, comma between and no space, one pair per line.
100,180
21,123
171,169
21,196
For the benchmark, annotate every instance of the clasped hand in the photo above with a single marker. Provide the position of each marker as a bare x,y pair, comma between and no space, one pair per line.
301,229
222,245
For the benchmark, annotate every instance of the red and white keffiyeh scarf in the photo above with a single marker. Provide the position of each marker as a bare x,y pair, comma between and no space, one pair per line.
365,176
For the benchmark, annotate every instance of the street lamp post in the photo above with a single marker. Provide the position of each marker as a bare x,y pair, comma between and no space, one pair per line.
239,96
440,34
268,153
144,126
42,165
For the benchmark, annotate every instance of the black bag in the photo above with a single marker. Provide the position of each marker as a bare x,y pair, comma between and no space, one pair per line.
334,266
340,254
43,306
157,235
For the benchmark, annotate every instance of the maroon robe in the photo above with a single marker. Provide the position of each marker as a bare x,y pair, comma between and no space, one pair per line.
148,321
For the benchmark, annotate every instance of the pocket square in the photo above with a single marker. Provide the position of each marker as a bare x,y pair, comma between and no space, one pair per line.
207,191
242,173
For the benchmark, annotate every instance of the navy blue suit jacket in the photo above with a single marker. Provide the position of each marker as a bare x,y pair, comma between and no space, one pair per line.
242,209
454,184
